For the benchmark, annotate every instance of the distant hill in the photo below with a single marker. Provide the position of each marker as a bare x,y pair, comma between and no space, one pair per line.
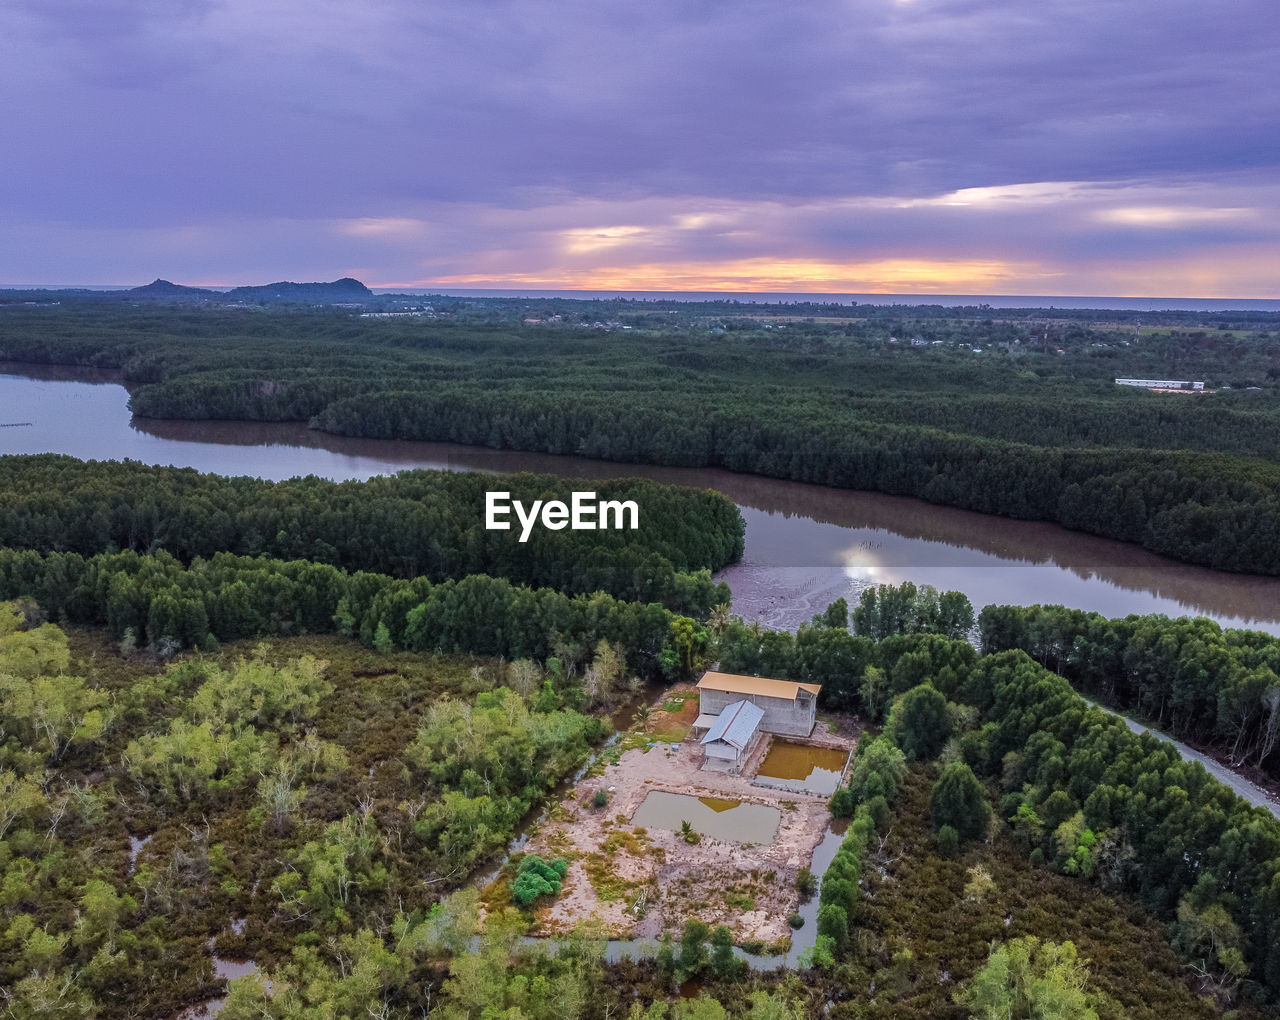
164,289
336,292
345,289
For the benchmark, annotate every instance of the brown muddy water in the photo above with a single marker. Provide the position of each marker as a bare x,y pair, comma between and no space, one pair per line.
805,544
802,768
730,820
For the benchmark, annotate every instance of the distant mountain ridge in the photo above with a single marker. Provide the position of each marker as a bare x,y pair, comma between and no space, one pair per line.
345,289
163,288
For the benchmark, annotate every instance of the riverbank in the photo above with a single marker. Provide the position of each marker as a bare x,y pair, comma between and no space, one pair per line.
804,543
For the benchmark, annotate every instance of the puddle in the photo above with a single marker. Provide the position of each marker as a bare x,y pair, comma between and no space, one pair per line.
801,768
229,970
824,853
734,821
223,970
135,848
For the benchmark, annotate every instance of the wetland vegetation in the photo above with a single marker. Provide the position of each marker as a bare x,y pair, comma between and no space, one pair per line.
321,807
300,723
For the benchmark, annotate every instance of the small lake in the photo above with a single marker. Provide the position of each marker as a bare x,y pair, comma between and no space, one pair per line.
801,768
806,545
731,820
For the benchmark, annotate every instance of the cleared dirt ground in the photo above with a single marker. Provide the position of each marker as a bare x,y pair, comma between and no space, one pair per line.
641,882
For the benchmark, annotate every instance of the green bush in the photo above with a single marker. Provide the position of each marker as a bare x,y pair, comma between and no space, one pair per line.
948,841
878,809
536,877
833,922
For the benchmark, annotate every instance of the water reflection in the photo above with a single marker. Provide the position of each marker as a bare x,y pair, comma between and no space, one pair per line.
805,544
802,768
720,819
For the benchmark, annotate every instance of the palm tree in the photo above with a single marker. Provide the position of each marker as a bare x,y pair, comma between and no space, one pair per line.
642,716
719,620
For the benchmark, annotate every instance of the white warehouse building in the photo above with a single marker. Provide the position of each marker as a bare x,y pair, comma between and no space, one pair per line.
1161,384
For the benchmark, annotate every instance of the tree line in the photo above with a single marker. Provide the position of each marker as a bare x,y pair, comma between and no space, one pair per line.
159,602
1095,800
414,524
1195,679
1214,509
1086,797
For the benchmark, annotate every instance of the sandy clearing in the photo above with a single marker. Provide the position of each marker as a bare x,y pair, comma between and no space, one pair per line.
639,883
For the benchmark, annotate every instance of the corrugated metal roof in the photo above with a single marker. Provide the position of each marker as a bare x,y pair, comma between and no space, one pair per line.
758,685
736,724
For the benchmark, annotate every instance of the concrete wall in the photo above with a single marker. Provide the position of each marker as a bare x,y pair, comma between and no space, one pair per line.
783,716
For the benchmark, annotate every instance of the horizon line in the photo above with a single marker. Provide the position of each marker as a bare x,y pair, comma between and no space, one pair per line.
391,289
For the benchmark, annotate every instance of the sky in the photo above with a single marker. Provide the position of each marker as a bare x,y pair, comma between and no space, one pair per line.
1077,147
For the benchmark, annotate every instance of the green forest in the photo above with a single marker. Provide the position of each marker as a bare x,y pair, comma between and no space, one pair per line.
1188,677
428,524
1010,412
326,804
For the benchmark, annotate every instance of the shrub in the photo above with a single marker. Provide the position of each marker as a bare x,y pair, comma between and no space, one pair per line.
796,921
841,803
948,841
878,809
921,725
833,922
536,877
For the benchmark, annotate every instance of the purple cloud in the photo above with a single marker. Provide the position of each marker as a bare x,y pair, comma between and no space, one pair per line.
223,141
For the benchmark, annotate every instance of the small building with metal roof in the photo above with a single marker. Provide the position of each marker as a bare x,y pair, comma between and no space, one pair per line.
790,708
735,729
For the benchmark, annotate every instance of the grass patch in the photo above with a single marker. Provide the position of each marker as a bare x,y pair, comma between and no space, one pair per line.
676,701
609,886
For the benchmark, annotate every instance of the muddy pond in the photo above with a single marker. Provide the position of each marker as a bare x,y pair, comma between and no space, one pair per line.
804,769
731,820
805,544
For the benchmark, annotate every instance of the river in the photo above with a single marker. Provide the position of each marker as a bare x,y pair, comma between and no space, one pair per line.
805,544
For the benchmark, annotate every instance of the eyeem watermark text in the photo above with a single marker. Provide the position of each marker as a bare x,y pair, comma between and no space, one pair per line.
582,513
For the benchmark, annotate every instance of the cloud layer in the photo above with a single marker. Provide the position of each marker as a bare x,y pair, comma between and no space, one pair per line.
1080,147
